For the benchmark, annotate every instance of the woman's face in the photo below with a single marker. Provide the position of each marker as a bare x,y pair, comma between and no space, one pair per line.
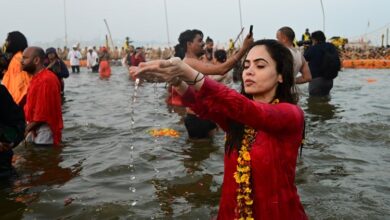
51,56
260,77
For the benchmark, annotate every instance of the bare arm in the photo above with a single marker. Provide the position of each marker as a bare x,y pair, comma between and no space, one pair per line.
306,74
222,68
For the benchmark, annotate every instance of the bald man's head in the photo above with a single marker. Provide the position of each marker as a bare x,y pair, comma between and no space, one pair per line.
38,52
33,59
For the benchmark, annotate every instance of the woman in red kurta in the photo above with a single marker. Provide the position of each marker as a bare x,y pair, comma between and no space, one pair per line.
267,107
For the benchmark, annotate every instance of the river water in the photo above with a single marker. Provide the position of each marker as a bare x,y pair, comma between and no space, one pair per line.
109,168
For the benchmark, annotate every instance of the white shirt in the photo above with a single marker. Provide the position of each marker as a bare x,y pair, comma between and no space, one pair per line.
298,60
74,57
92,59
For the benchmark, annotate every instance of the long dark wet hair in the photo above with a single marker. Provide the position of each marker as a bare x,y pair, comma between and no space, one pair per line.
285,92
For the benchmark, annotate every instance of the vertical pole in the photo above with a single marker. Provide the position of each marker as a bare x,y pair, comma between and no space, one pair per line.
109,33
166,22
387,37
323,17
383,39
239,7
66,29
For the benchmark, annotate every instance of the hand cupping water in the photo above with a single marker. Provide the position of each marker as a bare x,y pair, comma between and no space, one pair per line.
173,71
158,70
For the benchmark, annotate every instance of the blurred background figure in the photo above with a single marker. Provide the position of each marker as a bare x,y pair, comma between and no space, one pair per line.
15,79
57,66
104,64
92,60
74,57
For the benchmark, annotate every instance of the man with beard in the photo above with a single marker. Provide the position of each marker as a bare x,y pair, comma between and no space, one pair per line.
190,49
15,79
43,106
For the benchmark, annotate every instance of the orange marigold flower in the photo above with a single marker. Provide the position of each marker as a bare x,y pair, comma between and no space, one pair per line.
249,202
246,156
245,178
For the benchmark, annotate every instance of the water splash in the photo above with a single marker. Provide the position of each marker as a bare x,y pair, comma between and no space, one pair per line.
131,151
156,123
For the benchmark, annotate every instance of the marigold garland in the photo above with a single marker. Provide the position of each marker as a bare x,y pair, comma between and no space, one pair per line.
243,175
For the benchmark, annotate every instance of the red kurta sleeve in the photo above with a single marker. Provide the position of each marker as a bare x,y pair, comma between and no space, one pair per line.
189,100
215,100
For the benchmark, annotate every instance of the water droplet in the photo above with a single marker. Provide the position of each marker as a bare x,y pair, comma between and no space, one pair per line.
132,177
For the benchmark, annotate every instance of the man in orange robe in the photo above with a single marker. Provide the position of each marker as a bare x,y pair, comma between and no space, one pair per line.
15,79
43,105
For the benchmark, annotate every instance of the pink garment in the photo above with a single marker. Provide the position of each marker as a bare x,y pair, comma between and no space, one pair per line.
273,154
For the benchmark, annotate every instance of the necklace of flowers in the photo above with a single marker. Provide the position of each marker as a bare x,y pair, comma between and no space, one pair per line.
243,175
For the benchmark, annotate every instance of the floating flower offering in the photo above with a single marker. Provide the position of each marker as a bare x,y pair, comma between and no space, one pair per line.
167,132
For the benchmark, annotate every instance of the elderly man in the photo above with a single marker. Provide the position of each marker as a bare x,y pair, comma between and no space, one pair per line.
43,106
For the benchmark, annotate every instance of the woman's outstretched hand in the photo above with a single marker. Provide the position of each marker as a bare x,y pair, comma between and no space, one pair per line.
163,70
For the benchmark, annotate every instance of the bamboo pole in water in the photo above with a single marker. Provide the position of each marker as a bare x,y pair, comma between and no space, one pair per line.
109,34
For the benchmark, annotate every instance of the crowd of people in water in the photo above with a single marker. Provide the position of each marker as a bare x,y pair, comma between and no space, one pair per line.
153,53
263,123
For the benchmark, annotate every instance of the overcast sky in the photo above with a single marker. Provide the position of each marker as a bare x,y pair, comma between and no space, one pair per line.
144,20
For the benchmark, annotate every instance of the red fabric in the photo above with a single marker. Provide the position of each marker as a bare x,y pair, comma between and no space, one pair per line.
174,97
273,154
44,102
104,69
136,59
